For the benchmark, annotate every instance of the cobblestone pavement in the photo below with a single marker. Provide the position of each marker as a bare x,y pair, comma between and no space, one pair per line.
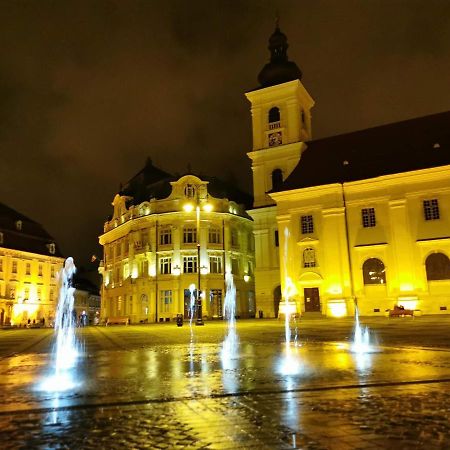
149,387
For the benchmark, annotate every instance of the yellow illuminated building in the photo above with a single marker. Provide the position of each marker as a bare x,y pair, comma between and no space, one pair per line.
357,218
29,263
151,254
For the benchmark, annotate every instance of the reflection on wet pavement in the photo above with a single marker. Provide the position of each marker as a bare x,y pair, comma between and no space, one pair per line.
314,395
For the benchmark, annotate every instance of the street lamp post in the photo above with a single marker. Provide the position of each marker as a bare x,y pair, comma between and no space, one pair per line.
199,320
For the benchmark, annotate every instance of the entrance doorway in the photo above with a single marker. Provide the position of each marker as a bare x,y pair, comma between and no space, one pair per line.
215,303
312,300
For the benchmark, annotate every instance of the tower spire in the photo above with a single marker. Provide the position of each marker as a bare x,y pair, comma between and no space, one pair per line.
279,69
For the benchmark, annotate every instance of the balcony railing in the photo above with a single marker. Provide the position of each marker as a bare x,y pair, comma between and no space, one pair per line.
274,125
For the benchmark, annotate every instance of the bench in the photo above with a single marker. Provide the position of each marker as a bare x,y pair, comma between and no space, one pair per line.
400,311
117,321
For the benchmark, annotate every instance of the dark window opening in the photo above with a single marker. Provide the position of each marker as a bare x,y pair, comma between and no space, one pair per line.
274,115
438,267
277,179
374,272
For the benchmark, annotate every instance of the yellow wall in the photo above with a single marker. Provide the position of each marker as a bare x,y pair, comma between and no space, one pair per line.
134,271
28,296
401,239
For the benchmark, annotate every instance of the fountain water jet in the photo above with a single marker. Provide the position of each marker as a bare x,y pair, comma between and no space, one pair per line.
231,341
67,347
191,304
361,337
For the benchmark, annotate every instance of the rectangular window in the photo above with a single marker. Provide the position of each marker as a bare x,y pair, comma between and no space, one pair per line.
14,267
165,301
189,264
52,271
234,266
165,265
189,235
431,209
28,269
52,295
234,238
215,264
126,246
277,240
214,236
144,238
118,249
1,264
368,217
307,225
251,242
40,270
165,236
144,268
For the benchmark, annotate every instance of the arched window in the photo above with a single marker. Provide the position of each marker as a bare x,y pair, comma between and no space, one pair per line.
309,257
277,179
189,191
374,271
274,115
438,267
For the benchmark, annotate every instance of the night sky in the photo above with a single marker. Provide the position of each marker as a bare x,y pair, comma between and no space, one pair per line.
89,90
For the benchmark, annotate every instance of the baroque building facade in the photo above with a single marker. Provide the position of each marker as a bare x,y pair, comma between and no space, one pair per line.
29,263
167,237
362,218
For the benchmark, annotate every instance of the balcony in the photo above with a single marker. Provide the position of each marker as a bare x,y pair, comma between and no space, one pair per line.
274,125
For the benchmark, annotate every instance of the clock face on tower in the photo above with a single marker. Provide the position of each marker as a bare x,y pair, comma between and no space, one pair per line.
275,139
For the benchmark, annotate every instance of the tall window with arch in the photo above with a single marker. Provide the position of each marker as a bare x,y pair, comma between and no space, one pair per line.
274,115
309,257
437,266
277,179
374,271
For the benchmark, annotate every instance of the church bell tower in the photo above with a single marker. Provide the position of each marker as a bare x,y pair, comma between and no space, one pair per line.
281,120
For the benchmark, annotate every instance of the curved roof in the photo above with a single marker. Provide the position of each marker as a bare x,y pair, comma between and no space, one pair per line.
279,69
152,182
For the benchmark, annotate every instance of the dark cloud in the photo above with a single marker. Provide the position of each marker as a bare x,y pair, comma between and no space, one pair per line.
89,89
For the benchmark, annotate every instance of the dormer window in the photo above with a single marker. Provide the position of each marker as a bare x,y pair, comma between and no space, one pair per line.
1,238
189,191
51,248
18,225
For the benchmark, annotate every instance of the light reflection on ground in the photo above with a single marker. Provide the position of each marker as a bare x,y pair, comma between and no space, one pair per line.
197,369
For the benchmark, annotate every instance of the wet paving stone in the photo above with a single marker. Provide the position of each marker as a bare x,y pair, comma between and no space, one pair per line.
166,393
